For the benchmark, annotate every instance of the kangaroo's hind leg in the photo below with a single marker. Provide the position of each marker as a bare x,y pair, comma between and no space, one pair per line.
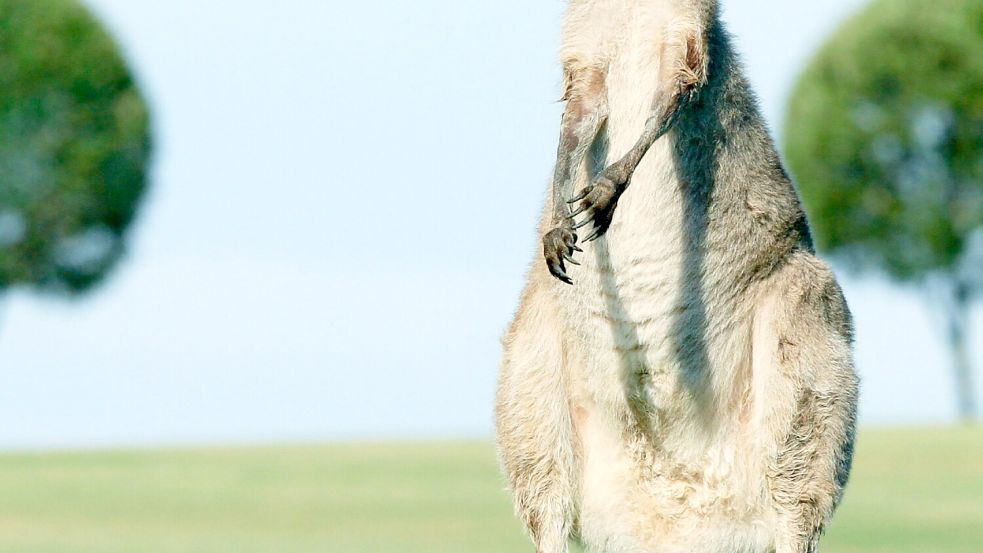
804,372
534,427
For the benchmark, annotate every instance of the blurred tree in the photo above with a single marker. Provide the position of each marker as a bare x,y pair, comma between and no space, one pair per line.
74,147
885,135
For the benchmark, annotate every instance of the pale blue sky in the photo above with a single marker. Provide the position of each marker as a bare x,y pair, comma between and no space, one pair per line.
343,207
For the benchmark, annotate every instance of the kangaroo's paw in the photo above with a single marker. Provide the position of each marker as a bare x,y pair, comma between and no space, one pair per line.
600,198
558,247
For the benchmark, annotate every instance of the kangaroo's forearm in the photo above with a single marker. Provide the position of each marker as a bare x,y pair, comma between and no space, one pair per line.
685,72
585,114
663,117
562,176
579,130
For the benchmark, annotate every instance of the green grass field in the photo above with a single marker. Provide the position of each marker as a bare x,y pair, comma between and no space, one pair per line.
917,491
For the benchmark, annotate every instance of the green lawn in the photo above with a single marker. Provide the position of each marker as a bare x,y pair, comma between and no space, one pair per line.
917,491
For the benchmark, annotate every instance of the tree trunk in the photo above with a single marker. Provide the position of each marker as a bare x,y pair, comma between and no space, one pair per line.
958,331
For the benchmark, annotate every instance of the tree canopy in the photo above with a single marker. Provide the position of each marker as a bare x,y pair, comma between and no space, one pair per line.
74,147
885,136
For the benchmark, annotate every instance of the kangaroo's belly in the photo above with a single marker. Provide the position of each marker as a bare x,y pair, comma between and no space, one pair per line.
653,482
660,383
640,500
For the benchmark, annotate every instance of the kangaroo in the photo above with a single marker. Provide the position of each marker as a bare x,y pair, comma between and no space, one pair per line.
680,380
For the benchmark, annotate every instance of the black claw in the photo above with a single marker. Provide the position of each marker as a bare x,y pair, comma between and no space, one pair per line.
576,249
580,210
561,275
597,234
583,194
557,270
570,259
583,223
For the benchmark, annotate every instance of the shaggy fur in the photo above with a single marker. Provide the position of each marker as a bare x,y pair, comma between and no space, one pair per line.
693,391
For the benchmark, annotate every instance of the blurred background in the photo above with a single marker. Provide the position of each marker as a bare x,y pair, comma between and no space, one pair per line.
230,232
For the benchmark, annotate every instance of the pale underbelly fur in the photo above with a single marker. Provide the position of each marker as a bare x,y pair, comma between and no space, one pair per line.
669,455
661,412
